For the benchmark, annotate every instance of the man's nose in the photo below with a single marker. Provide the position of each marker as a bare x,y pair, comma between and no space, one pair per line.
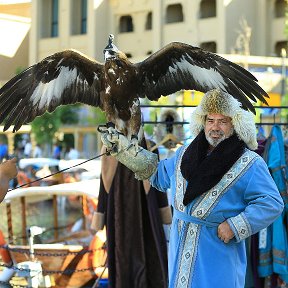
216,125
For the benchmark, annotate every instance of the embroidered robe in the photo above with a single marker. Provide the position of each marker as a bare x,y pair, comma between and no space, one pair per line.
246,197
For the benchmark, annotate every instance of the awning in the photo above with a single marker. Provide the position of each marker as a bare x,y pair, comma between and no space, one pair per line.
13,30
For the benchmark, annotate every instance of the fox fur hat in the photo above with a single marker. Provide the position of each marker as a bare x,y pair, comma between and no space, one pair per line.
217,102
161,130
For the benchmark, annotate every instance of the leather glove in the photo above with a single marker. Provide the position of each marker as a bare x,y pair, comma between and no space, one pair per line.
142,162
114,140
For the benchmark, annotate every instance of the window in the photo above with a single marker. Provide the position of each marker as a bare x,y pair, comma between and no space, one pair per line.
280,8
207,8
54,19
83,16
79,17
174,13
209,46
279,46
126,24
148,25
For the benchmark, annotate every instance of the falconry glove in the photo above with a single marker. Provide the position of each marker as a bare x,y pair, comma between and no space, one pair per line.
142,162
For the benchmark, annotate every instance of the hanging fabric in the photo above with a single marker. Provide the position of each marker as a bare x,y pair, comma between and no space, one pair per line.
273,247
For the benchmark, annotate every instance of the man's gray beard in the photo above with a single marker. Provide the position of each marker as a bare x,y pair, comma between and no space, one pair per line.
214,142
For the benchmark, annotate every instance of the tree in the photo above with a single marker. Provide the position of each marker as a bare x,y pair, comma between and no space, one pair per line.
45,126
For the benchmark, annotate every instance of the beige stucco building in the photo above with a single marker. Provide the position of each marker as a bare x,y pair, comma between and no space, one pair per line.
143,26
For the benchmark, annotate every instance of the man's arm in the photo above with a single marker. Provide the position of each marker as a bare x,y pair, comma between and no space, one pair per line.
8,171
264,203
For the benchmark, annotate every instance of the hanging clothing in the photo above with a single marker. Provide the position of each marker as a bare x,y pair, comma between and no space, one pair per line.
197,257
273,246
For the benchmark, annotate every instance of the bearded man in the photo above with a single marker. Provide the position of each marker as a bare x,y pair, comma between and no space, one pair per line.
221,192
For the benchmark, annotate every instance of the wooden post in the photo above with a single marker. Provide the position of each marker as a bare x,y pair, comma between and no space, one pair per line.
84,207
55,209
24,223
9,222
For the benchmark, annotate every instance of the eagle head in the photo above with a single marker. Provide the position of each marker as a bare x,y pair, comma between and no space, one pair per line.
110,51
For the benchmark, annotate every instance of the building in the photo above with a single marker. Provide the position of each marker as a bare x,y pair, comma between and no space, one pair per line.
235,29
143,26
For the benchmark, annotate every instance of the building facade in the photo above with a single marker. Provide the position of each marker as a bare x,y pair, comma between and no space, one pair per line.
144,26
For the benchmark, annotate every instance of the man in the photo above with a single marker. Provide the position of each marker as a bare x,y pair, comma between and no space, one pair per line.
8,171
221,193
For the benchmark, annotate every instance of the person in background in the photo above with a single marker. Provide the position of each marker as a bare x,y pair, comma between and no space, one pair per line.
8,171
72,153
28,149
37,151
221,192
57,149
3,150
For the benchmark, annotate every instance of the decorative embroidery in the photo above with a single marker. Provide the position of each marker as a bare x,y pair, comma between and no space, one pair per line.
201,209
210,199
193,231
263,238
242,227
180,186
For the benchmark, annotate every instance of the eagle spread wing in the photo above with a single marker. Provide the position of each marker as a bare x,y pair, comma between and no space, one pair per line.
63,78
68,77
181,66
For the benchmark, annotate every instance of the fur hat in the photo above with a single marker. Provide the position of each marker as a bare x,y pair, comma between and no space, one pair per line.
218,102
161,130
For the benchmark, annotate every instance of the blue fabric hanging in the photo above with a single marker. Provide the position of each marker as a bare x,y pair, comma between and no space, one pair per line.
273,246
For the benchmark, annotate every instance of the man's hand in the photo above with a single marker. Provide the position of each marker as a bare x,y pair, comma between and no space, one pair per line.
225,233
9,169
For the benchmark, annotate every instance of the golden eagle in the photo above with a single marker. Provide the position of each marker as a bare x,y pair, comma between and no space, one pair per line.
69,77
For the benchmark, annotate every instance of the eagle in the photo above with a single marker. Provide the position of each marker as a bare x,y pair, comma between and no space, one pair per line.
115,86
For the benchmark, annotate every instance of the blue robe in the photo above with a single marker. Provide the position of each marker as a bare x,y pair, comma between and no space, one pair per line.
246,197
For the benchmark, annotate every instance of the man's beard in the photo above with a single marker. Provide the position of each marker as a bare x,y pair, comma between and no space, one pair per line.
215,141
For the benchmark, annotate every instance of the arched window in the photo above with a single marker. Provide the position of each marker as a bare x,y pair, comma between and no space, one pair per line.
126,24
280,8
207,8
209,46
174,13
148,24
279,46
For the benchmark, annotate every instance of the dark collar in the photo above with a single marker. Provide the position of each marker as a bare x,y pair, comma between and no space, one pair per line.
203,172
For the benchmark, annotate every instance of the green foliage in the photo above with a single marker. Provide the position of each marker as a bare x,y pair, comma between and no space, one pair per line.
96,117
19,69
68,114
45,126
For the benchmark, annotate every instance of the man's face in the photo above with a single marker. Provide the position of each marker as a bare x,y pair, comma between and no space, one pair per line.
217,128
